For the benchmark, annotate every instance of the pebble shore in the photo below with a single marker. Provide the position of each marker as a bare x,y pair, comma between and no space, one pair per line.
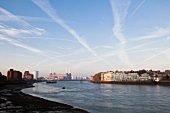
12,100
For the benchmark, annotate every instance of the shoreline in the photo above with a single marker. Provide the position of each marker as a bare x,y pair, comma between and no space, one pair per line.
163,82
12,99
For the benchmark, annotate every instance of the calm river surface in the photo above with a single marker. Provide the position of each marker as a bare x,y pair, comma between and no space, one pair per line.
106,98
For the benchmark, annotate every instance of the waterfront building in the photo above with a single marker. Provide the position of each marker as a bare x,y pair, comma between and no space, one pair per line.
107,76
144,77
84,78
68,72
40,78
132,77
66,76
79,78
28,76
57,76
14,75
62,76
110,76
2,77
119,76
157,76
74,77
91,79
167,72
35,74
96,77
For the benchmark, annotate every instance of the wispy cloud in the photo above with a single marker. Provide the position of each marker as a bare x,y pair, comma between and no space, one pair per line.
26,27
9,34
19,44
156,55
13,32
25,30
47,38
10,17
33,65
41,19
22,29
46,7
16,43
115,53
167,54
120,10
156,33
136,9
129,51
21,55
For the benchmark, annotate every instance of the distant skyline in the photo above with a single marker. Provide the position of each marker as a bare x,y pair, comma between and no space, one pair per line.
89,36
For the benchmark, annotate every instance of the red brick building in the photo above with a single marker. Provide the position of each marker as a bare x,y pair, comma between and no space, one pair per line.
28,76
96,77
14,75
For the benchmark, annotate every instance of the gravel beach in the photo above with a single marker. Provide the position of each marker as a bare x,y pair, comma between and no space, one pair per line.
12,100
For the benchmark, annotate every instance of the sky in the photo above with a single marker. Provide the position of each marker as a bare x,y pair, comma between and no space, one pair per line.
89,36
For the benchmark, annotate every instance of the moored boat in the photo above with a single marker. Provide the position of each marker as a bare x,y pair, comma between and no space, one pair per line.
51,81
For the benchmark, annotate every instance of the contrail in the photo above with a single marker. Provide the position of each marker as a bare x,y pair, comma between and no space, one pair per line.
27,27
120,10
33,65
16,43
156,55
10,17
46,38
8,34
160,32
47,8
136,9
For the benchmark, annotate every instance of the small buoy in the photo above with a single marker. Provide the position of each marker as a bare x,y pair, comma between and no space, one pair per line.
63,87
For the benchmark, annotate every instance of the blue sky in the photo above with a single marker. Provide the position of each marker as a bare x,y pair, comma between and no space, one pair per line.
89,36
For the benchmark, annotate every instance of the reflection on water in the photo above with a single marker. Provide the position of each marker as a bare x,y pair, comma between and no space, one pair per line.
106,98
158,89
44,88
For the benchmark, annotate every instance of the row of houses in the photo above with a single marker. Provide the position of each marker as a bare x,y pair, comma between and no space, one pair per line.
141,75
122,76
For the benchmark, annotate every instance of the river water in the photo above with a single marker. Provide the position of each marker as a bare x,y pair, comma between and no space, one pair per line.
106,98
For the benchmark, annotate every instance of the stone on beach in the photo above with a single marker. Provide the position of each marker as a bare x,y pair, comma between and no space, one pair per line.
13,100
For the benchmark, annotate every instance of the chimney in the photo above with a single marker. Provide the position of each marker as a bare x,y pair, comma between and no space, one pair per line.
66,70
69,70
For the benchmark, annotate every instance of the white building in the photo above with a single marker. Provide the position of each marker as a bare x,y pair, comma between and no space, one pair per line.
113,76
119,76
35,74
122,76
107,76
133,77
144,77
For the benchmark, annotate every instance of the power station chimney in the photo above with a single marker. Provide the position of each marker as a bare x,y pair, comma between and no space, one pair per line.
69,70
66,70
